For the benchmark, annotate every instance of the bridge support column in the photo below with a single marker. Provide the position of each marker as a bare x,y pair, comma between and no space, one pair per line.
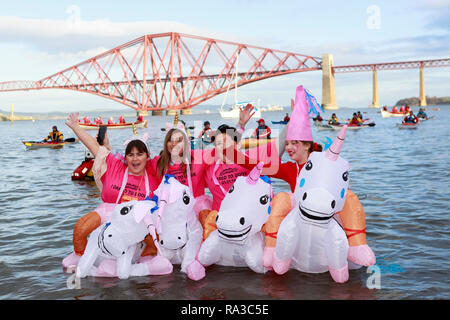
171,112
141,113
375,102
157,113
186,111
328,90
422,97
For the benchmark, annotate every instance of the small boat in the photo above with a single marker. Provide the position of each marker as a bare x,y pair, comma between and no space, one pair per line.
248,143
233,112
279,122
387,114
48,144
425,119
322,126
94,126
408,125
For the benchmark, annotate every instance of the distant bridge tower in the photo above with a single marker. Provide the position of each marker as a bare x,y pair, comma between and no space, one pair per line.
328,89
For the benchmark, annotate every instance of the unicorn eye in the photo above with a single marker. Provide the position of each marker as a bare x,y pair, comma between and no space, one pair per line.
125,210
345,176
264,199
308,165
186,199
231,189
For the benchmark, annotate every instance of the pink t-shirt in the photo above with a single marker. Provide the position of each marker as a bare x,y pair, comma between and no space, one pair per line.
112,182
180,172
225,175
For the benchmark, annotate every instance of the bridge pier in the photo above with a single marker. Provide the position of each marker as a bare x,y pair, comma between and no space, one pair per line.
157,113
328,89
375,102
422,97
141,113
186,111
171,112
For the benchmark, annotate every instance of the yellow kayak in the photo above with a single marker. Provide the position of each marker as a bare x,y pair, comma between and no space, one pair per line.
249,143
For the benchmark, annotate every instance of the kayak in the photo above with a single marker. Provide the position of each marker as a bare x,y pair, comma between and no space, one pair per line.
248,143
425,119
201,144
93,126
408,125
387,114
351,126
321,126
48,144
84,171
279,122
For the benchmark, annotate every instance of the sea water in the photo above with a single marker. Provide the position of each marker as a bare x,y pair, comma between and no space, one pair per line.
402,178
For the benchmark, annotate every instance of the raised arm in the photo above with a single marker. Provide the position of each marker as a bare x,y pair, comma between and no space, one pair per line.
89,141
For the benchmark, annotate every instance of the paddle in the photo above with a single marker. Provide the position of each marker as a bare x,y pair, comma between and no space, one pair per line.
69,140
190,128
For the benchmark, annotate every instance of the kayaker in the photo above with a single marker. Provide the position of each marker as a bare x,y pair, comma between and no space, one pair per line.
140,118
286,117
394,109
359,115
355,121
86,120
121,119
54,135
119,178
411,118
262,131
334,119
110,120
422,114
206,133
318,118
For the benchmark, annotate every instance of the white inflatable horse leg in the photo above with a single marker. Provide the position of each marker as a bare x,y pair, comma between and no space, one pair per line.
254,253
124,262
190,264
210,252
287,241
91,253
337,250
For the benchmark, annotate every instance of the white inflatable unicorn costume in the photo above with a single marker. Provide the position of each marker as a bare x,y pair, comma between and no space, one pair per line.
179,230
113,247
309,239
238,240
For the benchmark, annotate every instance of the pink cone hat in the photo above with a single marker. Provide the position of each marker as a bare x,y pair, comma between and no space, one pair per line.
253,176
299,127
333,151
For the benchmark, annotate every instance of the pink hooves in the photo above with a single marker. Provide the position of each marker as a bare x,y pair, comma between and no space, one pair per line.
339,275
71,261
268,254
279,266
195,271
157,265
361,255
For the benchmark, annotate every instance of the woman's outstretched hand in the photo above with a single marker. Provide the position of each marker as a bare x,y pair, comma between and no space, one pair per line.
245,114
72,120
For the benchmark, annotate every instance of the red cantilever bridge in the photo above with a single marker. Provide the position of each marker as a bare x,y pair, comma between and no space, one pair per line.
173,71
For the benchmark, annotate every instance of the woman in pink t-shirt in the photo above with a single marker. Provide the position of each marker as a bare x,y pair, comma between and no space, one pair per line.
119,178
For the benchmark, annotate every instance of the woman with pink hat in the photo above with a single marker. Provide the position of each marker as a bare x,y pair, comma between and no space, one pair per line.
299,145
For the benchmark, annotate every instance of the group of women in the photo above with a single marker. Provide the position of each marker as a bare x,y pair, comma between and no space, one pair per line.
135,175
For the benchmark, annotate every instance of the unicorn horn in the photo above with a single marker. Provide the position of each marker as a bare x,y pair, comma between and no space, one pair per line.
253,176
333,151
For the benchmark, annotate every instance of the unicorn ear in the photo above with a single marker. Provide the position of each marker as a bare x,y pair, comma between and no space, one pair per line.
141,208
168,126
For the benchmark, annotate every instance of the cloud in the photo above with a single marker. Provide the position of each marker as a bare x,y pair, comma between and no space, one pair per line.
74,35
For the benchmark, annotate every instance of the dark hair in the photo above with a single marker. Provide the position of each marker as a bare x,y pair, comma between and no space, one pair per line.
139,145
224,128
206,122
54,127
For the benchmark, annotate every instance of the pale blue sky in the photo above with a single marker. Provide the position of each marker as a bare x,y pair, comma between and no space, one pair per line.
33,43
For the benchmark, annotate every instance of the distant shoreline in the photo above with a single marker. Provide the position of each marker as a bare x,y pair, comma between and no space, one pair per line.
414,101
